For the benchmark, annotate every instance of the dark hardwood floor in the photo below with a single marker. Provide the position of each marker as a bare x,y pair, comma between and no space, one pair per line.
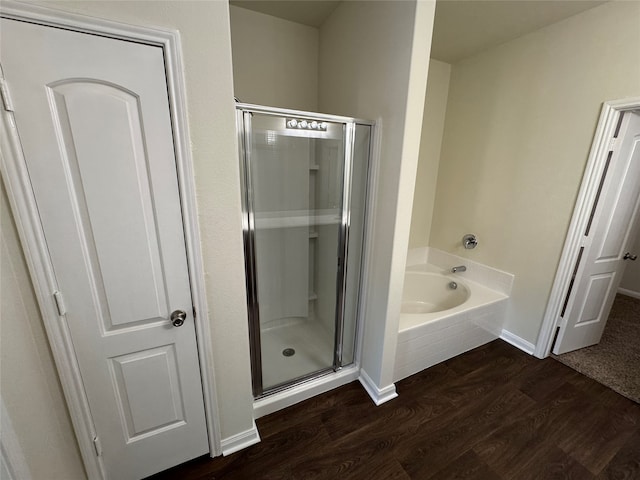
491,413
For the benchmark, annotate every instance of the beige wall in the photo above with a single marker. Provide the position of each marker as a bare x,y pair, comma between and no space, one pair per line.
374,65
31,391
520,121
435,107
275,62
204,29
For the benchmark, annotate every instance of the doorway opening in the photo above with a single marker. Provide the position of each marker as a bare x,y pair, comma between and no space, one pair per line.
600,245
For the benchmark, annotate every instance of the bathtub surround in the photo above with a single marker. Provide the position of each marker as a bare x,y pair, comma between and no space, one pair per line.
489,277
426,339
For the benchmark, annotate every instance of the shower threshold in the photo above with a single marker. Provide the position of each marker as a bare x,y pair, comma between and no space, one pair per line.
303,389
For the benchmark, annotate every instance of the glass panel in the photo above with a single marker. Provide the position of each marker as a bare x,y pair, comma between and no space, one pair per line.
296,178
360,169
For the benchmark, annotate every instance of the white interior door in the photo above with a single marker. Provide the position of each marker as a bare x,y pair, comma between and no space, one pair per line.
93,117
605,244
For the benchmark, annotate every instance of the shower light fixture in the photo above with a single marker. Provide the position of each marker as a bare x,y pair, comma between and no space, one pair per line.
301,124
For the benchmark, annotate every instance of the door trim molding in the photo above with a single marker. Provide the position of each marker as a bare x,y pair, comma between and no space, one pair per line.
22,202
600,147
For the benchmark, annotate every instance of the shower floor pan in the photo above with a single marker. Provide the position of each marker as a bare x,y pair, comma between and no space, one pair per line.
312,344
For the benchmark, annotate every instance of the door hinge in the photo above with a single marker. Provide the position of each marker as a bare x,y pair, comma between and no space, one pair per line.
97,445
57,296
613,144
6,98
194,312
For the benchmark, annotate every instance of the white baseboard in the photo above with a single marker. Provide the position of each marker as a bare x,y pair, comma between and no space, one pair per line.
378,395
517,342
240,440
629,293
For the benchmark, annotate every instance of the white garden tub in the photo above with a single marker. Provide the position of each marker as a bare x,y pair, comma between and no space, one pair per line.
438,322
430,292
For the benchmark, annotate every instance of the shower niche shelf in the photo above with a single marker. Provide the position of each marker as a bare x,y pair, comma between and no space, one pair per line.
296,218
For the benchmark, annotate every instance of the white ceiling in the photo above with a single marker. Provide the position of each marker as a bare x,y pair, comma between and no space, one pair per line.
462,27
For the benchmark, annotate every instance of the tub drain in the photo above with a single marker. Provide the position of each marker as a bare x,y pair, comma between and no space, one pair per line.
288,352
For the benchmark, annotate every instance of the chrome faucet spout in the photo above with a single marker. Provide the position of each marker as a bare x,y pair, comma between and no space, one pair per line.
460,268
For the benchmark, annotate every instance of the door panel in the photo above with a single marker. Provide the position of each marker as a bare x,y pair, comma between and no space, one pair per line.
93,118
614,221
595,298
134,373
96,163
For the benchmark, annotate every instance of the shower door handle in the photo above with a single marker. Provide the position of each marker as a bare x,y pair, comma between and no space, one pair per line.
178,317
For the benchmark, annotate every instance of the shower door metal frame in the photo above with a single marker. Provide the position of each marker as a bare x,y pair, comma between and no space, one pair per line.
244,113
243,119
343,244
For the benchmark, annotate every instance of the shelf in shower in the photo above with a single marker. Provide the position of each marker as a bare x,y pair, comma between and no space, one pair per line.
314,168
313,297
313,235
296,218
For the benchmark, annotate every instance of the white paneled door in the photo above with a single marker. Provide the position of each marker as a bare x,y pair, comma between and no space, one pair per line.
93,118
605,243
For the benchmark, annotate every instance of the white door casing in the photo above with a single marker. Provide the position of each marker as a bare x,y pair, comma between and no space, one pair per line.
94,123
605,242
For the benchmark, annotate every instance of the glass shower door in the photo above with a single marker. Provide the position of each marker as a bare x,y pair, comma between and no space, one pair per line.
294,174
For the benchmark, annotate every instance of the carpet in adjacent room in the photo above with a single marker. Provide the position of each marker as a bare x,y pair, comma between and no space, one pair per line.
615,361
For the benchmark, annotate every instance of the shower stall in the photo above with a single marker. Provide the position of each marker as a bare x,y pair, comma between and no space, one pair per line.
305,178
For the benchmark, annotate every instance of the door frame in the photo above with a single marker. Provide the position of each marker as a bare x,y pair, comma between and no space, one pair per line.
22,203
602,143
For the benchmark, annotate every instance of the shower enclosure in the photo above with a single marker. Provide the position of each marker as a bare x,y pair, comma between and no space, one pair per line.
305,179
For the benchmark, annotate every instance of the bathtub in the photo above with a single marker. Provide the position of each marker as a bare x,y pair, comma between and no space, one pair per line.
438,322
431,292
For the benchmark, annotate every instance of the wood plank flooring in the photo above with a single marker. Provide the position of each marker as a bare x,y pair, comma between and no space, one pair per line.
492,413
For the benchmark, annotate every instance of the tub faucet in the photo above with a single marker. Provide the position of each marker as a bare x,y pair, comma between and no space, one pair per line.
460,268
